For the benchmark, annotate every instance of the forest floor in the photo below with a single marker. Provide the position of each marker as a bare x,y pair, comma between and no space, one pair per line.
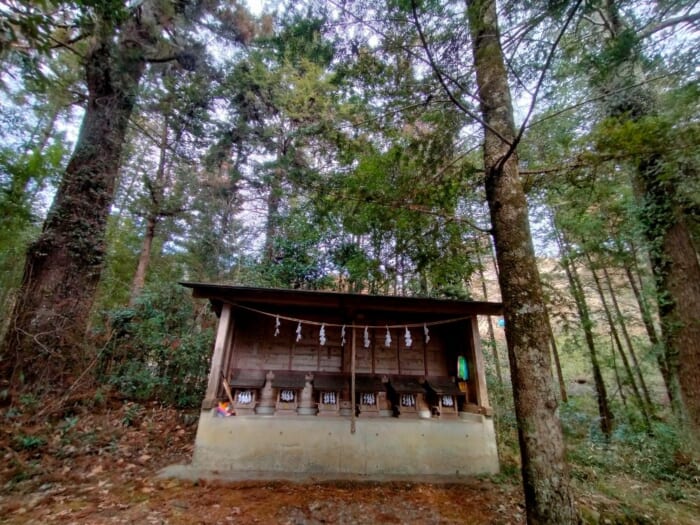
100,466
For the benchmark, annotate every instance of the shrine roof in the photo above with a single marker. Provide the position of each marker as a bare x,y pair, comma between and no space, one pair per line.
248,379
346,305
443,385
288,379
369,383
330,381
406,385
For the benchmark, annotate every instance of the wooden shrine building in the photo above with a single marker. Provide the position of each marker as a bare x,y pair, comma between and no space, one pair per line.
324,384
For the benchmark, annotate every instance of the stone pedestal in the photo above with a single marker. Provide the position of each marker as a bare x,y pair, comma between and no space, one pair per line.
307,406
381,448
266,405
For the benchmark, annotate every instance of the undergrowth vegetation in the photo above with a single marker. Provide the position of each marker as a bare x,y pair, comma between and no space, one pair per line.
639,475
159,348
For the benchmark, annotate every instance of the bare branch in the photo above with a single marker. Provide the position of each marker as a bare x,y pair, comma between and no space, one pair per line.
689,18
441,79
540,81
405,48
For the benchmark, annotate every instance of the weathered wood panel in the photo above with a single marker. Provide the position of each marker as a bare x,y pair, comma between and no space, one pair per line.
256,347
330,359
411,359
304,357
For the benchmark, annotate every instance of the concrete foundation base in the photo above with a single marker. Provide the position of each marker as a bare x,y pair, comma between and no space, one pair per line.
309,447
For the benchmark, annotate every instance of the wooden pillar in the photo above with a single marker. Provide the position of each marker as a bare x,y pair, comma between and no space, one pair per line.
221,351
352,380
479,375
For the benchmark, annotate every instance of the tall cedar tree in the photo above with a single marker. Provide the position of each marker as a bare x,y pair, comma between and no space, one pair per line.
548,494
673,256
62,268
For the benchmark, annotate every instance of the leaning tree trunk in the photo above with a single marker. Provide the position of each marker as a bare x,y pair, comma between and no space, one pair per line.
492,335
548,494
63,265
657,349
139,281
274,204
628,339
557,362
618,379
155,213
606,415
620,350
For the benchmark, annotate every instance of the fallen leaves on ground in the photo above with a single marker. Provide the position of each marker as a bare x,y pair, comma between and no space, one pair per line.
100,466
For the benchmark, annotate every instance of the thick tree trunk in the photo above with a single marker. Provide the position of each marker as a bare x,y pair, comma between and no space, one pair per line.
677,276
673,257
548,494
63,265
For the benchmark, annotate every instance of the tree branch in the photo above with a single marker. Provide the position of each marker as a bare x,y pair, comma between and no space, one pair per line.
68,45
682,19
595,99
540,81
439,75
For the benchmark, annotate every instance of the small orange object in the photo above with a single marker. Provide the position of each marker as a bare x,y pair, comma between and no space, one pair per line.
223,409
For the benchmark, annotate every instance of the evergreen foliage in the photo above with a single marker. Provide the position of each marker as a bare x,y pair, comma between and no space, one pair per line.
159,348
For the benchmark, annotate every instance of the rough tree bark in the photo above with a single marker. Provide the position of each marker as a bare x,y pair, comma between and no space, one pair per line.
63,265
548,493
677,276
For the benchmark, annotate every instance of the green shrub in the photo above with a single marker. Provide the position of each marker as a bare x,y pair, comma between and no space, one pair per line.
25,442
132,414
657,455
159,350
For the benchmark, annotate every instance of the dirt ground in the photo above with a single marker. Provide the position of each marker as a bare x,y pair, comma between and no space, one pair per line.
100,467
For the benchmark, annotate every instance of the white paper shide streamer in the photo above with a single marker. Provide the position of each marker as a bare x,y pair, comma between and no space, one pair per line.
322,335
